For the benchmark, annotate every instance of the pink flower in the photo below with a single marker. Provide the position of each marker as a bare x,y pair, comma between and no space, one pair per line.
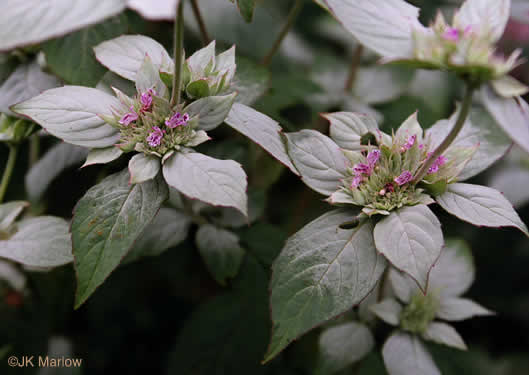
404,178
155,137
146,99
128,117
177,119
357,180
362,168
372,158
451,34
436,164
409,143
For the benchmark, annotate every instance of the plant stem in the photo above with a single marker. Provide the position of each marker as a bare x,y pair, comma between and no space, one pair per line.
355,64
8,171
200,21
463,114
34,149
178,53
294,12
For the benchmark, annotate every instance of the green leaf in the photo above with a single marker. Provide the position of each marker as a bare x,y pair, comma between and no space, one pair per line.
481,206
9,212
43,20
217,182
385,26
246,7
221,252
72,58
486,17
201,60
72,114
212,111
342,345
148,77
39,242
404,354
106,223
168,229
322,272
143,168
411,239
512,115
228,333
479,129
318,159
125,55
388,310
198,89
444,334
102,155
27,81
348,128
250,81
262,130
457,309
57,159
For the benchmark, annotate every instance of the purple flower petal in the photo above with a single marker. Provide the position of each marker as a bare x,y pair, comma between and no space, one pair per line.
372,158
451,34
128,117
155,137
177,119
404,178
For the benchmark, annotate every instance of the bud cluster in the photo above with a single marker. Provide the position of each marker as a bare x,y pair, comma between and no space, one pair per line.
469,50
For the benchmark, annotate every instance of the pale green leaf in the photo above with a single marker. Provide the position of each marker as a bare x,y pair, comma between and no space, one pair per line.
384,26
456,309
125,55
27,81
9,212
39,242
509,87
213,181
143,168
262,130
512,115
318,159
102,155
33,21
411,239
404,354
72,114
347,128
486,17
481,206
148,77
388,310
159,10
212,111
342,345
444,334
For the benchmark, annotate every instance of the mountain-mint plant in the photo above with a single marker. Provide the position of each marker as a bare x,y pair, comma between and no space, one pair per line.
160,125
384,185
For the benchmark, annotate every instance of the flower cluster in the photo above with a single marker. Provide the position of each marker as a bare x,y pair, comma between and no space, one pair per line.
150,125
381,178
467,49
